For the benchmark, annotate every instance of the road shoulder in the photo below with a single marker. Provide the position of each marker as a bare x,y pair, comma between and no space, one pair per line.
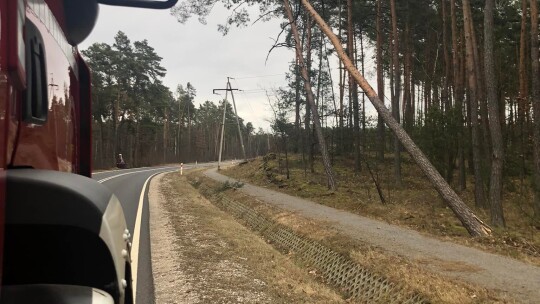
201,254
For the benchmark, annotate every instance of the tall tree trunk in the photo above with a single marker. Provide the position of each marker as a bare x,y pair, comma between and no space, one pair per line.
189,157
397,88
353,88
103,150
116,110
444,94
165,134
136,151
304,136
471,75
363,117
341,90
522,102
297,106
446,101
380,82
482,101
310,136
408,115
458,96
470,221
495,184
535,88
309,96
180,119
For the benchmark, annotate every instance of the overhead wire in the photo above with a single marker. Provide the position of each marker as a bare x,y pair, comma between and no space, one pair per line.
259,76
242,92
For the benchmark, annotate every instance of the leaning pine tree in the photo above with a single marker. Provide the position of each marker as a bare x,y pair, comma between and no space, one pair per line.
311,100
474,225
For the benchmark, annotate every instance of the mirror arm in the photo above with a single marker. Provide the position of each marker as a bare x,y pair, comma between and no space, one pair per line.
141,4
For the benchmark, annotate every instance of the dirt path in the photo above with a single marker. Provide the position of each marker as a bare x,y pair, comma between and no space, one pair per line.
516,279
202,255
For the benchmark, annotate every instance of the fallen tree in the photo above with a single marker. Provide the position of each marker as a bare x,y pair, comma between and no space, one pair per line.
474,225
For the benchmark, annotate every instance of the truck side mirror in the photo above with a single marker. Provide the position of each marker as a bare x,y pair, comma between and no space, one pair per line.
157,4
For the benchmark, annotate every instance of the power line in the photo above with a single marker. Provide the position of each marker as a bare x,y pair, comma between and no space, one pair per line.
260,76
242,92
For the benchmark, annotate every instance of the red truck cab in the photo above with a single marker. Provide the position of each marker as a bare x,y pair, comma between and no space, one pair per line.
63,237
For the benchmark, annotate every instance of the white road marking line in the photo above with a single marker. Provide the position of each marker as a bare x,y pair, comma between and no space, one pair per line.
136,239
137,228
113,170
137,236
132,172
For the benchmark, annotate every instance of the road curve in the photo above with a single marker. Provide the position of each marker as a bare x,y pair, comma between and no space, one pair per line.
131,187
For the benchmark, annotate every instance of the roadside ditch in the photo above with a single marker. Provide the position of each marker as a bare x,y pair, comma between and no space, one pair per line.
354,282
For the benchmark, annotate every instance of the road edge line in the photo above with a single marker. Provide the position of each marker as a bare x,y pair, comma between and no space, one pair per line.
137,235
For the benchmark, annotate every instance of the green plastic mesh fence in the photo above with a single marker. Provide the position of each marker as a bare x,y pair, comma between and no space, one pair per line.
356,282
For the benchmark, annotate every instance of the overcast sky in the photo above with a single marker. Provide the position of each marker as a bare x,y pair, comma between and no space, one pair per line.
199,54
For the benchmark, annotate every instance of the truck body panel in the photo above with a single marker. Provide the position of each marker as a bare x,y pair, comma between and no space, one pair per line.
53,144
62,234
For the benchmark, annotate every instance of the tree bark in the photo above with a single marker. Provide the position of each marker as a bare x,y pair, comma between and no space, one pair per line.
397,87
341,90
522,101
470,221
363,118
297,107
380,82
495,185
165,134
309,96
445,96
458,95
353,88
408,114
535,90
310,139
471,75
116,109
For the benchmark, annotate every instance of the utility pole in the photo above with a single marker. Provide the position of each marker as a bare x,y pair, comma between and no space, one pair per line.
227,89
222,130
237,120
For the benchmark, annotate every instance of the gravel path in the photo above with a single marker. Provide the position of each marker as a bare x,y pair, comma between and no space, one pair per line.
515,279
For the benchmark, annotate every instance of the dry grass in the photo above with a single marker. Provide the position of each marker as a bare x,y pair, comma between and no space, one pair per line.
226,262
437,288
415,205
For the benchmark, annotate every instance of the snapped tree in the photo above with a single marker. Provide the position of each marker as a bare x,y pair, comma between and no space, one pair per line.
474,225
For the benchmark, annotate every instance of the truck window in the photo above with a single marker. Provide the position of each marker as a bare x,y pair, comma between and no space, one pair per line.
35,104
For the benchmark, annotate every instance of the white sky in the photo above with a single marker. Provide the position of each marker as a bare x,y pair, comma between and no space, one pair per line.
199,54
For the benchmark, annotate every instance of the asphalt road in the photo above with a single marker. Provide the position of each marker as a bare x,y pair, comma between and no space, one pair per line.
131,188
128,186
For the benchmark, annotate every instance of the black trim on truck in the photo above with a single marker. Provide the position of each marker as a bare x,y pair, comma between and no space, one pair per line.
64,229
55,198
52,293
